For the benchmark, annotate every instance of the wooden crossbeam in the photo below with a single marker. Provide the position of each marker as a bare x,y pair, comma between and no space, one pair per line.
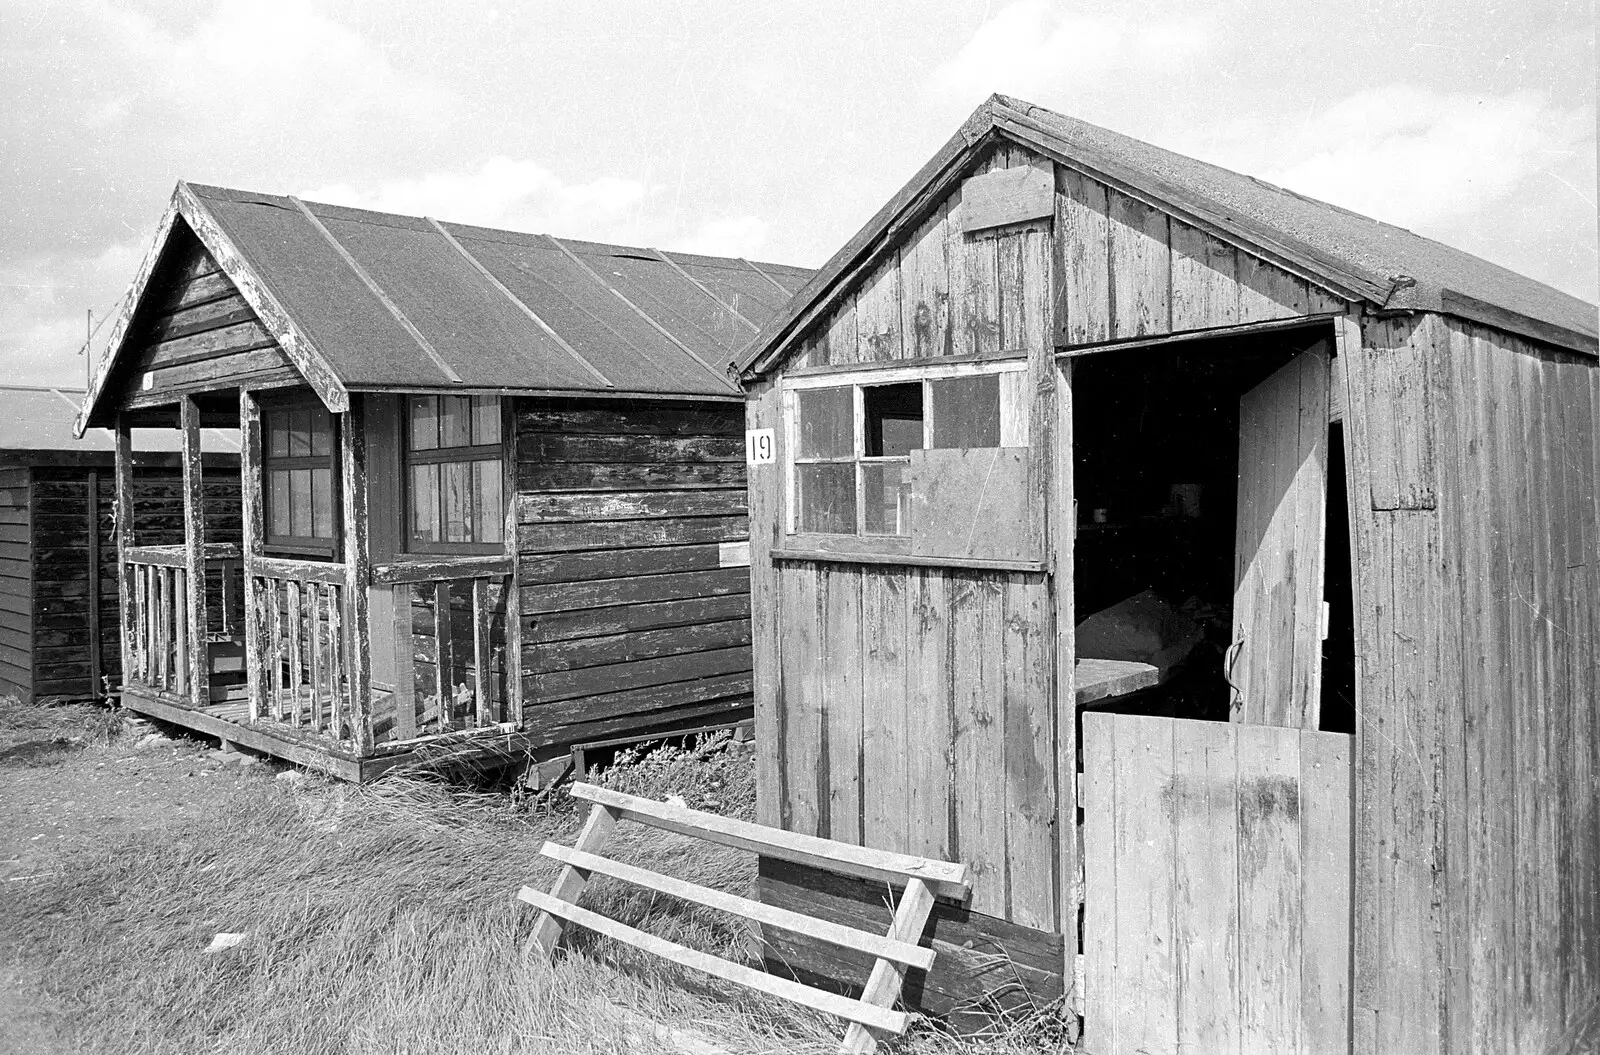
921,878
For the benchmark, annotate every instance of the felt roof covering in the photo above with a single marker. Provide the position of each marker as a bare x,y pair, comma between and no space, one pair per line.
1362,259
373,301
40,418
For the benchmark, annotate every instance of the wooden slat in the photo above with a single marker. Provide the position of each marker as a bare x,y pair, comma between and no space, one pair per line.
275,679
946,879
482,676
181,643
1029,762
314,656
301,570
295,612
1324,804
358,573
194,517
405,685
900,951
569,885
883,984
444,653
440,569
1141,280
338,714
839,804
887,734
1269,878
842,1007
978,706
1206,887
1102,994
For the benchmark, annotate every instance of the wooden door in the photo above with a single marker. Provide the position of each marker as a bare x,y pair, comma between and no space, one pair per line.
1217,887
1275,662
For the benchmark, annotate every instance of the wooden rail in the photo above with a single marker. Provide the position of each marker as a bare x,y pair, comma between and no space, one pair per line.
159,634
921,878
301,625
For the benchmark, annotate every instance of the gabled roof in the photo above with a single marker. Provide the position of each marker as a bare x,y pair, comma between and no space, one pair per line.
40,418
1357,257
363,300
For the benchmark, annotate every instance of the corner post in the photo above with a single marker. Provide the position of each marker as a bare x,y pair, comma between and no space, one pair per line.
123,511
513,587
250,484
357,569
194,553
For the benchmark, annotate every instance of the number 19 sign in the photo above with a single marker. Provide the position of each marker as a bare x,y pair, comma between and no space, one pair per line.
759,447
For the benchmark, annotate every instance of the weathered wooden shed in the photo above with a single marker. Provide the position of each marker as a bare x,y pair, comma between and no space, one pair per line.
492,482
58,597
1080,446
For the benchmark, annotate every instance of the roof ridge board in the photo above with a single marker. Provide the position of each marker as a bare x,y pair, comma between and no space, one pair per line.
722,378
377,291
494,281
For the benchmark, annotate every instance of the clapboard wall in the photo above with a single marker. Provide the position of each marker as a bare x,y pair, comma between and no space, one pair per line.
58,563
1474,500
635,595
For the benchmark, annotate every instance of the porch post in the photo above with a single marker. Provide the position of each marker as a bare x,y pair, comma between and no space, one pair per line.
254,537
357,568
513,587
194,552
123,473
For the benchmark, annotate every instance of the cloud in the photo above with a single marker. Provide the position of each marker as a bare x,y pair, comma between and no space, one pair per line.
1034,48
1417,157
505,192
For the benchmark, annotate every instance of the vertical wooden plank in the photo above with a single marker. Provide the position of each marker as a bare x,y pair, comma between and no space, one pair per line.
338,713
767,614
924,297
1100,813
254,541
1145,1007
802,712
1205,287
1083,297
977,617
1205,803
930,711
481,675
878,314
1011,305
981,298
314,655
1270,945
1062,528
194,552
275,649
842,337
1325,863
405,680
357,571
294,607
513,710
127,606
1141,279
1267,292
841,700
444,653
178,583
97,686
887,734
958,334
1030,804
165,614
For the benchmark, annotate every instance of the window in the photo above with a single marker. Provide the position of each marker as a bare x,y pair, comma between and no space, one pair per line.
858,446
297,462
454,497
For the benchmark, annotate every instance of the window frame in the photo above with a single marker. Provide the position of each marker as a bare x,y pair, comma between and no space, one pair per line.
470,454
301,546
859,380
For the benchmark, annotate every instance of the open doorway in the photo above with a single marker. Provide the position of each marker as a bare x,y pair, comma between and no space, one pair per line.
1209,503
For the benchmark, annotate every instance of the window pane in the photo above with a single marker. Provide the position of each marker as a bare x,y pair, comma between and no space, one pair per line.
278,502
300,502
826,422
455,421
966,411
299,433
457,482
893,419
322,503
424,423
321,432
277,433
826,494
485,420
425,503
490,514
886,498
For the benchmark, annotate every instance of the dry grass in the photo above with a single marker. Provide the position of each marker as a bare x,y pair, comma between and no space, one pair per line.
382,919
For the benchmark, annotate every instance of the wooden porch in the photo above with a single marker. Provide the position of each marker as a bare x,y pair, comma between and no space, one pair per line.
278,654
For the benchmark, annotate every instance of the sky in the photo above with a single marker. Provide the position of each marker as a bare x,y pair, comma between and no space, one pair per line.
766,130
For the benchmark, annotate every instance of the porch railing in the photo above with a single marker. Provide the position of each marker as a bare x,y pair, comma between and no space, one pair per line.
158,637
302,674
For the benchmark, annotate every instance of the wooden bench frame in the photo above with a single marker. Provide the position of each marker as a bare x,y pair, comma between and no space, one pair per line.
923,880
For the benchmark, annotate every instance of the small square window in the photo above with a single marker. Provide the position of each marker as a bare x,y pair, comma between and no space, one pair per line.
966,412
893,419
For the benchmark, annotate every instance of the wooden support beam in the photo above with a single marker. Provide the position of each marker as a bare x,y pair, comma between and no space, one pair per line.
883,985
194,541
92,515
255,660
1063,529
123,521
570,883
513,582
358,570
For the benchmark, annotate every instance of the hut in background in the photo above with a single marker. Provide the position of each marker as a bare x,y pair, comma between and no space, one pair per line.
59,626
1080,442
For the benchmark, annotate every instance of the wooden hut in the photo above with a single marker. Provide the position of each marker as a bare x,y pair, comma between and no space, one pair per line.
1214,571
492,482
58,549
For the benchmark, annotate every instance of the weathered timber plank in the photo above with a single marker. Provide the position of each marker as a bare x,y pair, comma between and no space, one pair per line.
1324,895
978,741
621,619
722,446
924,289
565,417
626,534
645,560
647,644
839,810
642,589
615,677
805,777
1029,736
1141,279
877,314
1269,877
929,711
1206,905
886,733
626,505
